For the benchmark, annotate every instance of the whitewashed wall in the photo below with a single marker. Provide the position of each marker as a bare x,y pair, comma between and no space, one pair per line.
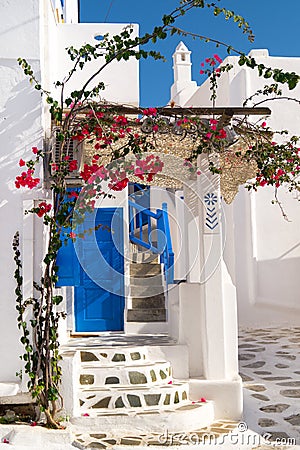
20,129
121,78
266,244
262,251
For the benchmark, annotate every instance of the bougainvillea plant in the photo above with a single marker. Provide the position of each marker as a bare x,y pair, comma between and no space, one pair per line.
81,118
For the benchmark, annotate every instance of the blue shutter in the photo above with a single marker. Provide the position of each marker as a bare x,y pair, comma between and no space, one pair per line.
68,267
67,262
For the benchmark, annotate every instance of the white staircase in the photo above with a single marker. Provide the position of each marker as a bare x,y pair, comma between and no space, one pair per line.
126,388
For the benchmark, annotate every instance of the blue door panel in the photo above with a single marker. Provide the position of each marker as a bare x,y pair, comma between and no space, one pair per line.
96,264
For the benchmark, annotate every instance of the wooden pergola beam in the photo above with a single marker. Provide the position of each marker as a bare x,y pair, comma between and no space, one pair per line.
197,111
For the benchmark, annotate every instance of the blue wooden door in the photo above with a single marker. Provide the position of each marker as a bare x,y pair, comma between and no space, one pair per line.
98,268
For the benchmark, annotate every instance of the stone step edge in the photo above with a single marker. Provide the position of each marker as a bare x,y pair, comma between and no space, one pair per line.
180,419
125,387
99,364
137,411
94,412
133,387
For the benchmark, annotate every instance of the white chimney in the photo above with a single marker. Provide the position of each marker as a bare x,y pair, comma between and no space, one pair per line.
183,86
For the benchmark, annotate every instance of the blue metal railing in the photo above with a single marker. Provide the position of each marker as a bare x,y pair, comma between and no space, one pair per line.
163,246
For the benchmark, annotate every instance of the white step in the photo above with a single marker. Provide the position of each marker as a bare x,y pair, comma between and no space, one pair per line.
185,418
114,356
148,374
136,398
150,347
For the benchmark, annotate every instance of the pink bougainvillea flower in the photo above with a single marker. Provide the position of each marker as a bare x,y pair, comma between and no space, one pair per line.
73,235
85,415
264,124
5,441
217,58
22,162
201,72
203,400
280,172
35,150
208,135
170,382
202,64
155,128
33,424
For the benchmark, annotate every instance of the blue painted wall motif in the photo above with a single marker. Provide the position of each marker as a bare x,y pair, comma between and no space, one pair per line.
211,218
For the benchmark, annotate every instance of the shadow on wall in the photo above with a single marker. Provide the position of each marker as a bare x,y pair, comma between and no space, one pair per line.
20,129
20,111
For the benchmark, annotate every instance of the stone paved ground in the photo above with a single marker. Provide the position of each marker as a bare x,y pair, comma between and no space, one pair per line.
208,435
270,368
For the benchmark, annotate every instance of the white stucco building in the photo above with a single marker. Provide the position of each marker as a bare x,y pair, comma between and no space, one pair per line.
262,249
190,324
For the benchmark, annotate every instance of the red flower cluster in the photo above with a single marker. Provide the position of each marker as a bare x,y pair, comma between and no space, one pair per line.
43,208
88,171
73,165
72,194
121,120
276,177
120,185
150,112
26,180
214,133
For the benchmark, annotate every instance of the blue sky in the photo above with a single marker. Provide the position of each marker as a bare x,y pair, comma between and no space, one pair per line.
275,25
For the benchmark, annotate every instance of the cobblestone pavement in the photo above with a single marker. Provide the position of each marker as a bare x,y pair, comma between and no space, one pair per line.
270,368
209,435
